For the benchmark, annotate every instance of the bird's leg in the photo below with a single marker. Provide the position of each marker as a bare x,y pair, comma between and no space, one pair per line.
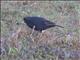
32,30
32,33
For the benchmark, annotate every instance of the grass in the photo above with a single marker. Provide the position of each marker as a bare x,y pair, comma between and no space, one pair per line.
54,44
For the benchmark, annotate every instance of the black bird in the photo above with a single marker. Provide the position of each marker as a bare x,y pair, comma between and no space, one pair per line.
39,23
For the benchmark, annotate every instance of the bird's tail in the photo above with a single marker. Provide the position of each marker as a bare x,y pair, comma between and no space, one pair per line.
59,26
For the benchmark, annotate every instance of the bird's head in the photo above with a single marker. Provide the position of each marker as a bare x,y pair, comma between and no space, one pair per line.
26,19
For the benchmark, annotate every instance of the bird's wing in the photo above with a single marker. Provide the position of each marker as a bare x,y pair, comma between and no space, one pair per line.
48,23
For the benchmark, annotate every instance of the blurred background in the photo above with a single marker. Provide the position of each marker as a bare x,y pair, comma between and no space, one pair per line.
54,44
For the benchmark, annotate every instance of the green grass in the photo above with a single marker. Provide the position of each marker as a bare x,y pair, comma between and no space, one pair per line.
59,44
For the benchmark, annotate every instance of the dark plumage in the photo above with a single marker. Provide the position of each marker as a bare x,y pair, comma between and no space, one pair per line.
39,23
